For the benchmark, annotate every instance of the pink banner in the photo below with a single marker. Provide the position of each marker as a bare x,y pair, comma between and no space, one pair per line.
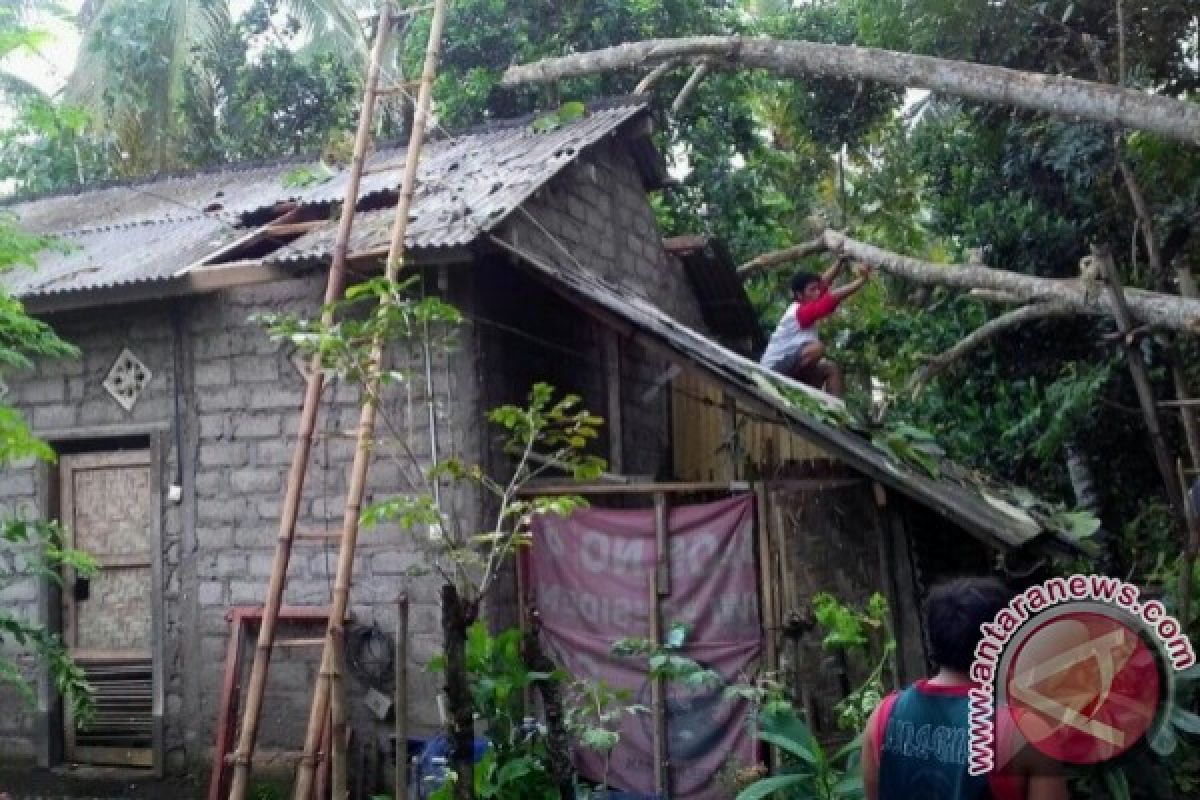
590,580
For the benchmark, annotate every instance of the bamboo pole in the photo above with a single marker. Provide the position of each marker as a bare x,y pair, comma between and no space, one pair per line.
337,753
766,559
256,685
366,423
402,698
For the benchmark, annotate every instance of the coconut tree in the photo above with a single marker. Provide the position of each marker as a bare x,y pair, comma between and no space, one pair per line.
135,54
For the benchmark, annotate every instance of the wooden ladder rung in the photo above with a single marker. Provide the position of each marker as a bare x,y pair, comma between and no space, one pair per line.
335,434
316,536
314,641
404,87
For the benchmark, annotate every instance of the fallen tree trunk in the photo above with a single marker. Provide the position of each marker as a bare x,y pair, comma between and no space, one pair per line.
1151,308
1051,94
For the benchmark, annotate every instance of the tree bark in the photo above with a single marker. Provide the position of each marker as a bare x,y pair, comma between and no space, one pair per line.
1067,97
776,258
993,285
457,616
1151,308
693,82
989,330
654,75
558,744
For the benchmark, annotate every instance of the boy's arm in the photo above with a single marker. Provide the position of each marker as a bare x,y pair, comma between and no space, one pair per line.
830,275
845,290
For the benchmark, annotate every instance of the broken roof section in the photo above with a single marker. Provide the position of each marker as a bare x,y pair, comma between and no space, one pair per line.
994,513
154,231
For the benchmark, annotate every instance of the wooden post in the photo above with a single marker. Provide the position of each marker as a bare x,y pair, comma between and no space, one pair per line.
612,377
256,685
401,792
729,435
1141,378
357,480
658,700
662,542
336,660
766,558
889,576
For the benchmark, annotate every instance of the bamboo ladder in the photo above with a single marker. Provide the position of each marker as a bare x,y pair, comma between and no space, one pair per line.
347,540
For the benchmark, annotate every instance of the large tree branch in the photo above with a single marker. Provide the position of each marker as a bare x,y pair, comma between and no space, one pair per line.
1151,308
985,332
1155,309
776,258
1052,94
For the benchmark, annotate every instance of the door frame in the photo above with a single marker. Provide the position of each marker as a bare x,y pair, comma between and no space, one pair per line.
49,731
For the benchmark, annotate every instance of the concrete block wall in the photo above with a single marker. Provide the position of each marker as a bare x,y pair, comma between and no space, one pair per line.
597,210
239,417
59,399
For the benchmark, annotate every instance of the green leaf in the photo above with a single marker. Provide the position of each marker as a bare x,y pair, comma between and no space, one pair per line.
1117,783
790,745
676,636
769,786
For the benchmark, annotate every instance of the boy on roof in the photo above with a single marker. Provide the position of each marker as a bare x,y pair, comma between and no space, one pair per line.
795,349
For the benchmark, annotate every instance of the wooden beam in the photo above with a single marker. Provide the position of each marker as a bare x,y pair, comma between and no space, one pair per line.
585,489
662,541
612,378
766,558
294,228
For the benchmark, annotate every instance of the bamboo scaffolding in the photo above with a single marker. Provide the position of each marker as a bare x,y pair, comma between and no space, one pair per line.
335,285
366,427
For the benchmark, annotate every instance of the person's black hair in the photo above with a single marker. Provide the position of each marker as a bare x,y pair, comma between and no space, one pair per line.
954,612
801,280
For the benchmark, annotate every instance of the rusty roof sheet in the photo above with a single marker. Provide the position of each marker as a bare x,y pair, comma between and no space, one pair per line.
998,514
147,230
466,184
120,255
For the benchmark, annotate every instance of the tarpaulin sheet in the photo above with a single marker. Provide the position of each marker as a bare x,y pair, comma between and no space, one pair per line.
589,575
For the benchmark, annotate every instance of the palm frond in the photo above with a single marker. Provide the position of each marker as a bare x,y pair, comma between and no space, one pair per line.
332,25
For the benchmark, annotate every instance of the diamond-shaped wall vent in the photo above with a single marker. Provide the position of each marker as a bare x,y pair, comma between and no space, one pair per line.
127,378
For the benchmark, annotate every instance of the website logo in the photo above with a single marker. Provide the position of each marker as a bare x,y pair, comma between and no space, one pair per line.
1082,682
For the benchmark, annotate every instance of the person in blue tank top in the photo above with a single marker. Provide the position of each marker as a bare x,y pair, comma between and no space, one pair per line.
915,745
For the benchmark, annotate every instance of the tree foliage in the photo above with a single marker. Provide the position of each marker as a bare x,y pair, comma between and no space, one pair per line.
31,549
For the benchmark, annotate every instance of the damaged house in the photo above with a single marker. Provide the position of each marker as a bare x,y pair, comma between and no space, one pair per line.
174,429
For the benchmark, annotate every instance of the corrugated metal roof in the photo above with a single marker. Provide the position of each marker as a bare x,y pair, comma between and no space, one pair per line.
145,231
989,511
119,255
466,184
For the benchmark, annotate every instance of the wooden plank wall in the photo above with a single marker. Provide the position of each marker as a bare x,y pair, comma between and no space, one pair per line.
703,420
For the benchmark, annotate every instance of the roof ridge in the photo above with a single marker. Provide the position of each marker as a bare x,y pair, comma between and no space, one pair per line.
17,198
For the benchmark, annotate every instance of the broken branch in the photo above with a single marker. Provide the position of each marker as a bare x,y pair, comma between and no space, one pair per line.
655,75
985,332
767,261
689,88
1051,94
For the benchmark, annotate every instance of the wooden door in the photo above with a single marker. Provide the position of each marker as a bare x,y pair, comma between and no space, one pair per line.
107,619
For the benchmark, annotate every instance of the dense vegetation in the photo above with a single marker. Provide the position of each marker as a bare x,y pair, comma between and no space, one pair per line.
761,163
